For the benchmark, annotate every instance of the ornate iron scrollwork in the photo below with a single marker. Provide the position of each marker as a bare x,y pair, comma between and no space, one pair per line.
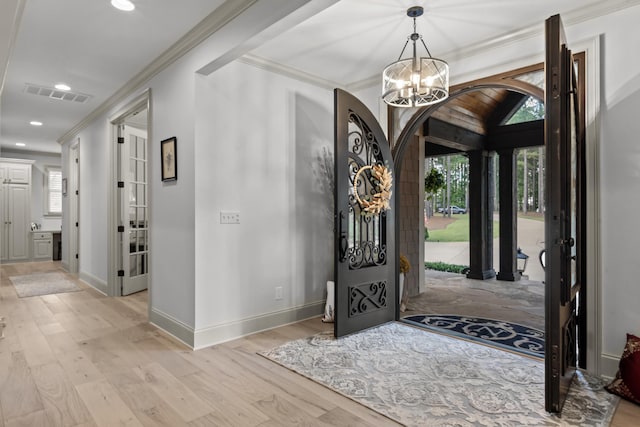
366,233
367,298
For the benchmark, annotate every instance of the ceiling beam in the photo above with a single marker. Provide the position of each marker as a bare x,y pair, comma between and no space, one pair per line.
505,110
435,150
447,135
521,135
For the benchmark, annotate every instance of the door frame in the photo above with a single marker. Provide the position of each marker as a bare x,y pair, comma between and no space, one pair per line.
74,207
596,361
139,102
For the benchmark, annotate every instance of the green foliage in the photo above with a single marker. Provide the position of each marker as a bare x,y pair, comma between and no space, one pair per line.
433,182
426,233
443,266
531,110
458,176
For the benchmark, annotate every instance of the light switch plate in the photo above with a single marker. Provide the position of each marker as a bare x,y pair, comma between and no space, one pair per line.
229,217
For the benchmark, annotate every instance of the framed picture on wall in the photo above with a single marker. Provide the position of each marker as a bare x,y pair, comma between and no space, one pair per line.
169,159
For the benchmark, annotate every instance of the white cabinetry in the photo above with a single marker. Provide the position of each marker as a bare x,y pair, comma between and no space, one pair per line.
15,209
42,245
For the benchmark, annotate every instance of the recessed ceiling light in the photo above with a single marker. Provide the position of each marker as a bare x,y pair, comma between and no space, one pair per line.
21,144
35,123
125,5
62,86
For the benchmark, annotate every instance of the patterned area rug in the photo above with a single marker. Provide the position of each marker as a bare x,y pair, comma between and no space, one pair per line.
511,336
31,285
420,378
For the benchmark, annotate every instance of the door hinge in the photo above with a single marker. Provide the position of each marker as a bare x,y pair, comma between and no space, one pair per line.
77,193
76,160
121,229
120,273
76,256
76,224
120,140
120,184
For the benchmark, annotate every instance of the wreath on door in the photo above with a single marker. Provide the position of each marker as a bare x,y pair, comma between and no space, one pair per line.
383,180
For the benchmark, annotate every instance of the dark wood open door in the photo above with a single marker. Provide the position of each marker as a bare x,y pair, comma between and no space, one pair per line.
563,279
365,276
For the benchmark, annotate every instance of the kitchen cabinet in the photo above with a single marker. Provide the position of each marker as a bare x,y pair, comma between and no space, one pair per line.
42,246
15,209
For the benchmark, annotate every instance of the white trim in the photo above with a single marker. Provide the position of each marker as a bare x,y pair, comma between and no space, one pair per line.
98,284
23,161
65,266
11,41
73,238
172,326
609,364
236,329
591,48
290,72
143,100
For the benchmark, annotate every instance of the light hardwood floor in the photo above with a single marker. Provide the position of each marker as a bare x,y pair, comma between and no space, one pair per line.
82,359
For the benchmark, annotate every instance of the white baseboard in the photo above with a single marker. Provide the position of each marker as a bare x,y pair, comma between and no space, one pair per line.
99,284
229,331
65,266
609,365
174,327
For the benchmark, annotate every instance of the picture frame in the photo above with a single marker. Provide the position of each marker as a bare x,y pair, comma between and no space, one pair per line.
169,159
64,186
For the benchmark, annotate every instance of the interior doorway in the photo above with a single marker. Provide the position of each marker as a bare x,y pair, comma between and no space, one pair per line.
129,200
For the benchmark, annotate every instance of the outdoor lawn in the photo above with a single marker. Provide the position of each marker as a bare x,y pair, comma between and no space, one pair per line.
454,229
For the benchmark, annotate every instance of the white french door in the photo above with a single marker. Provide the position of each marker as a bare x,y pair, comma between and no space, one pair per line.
133,221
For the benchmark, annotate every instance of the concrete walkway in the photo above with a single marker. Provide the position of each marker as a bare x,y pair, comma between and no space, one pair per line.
530,240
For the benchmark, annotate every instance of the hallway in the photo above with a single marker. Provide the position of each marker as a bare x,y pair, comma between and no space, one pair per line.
81,358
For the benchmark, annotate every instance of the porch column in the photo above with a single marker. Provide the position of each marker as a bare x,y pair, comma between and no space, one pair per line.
508,215
480,215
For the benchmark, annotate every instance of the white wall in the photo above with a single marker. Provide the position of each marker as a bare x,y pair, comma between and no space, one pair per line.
261,141
173,229
41,160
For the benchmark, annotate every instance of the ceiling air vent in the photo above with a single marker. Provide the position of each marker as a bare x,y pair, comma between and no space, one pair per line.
56,94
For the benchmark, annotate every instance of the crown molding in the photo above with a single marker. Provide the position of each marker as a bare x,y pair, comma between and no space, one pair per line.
291,72
224,14
11,38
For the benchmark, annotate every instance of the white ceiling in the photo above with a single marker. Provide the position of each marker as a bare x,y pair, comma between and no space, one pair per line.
96,49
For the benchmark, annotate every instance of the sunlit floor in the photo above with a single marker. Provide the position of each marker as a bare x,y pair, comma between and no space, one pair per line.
447,293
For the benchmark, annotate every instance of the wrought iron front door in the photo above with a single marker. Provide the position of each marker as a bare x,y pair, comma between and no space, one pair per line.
563,279
365,265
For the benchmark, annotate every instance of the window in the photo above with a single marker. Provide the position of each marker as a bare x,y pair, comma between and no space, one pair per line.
530,110
53,190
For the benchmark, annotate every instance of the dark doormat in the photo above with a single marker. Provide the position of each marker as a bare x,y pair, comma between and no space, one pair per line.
508,335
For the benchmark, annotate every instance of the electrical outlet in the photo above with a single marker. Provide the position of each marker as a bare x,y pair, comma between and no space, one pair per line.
278,293
229,217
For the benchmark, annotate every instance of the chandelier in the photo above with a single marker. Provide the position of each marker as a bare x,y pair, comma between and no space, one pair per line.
415,82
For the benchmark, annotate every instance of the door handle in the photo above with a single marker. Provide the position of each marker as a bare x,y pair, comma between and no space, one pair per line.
343,242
